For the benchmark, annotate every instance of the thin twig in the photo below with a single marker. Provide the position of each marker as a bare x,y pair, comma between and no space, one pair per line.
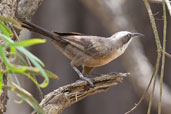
37,87
163,55
168,6
160,1
144,94
155,1
152,20
167,54
16,38
154,83
158,44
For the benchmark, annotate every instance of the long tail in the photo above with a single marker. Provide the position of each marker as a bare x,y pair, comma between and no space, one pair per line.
35,28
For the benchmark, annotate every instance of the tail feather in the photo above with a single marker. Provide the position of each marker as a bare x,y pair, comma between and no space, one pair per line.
37,29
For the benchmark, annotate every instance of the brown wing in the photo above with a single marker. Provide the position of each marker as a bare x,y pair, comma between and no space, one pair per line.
90,45
97,47
73,38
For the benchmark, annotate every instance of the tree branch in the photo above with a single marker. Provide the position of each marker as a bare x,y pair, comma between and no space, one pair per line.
27,8
155,1
168,6
160,2
3,96
56,101
167,54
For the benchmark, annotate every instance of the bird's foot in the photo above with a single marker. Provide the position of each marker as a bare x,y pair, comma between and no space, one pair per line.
89,80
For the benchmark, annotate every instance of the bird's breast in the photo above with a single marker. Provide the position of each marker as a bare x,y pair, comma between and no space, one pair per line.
95,62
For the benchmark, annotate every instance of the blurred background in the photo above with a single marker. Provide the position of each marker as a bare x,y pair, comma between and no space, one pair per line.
101,18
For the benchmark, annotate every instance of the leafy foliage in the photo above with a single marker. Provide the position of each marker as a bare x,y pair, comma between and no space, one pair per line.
10,51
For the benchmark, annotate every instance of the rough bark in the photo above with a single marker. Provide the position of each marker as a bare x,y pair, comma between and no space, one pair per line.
55,102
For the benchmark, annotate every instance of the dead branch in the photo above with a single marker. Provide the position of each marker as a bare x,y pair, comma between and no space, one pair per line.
160,2
56,101
3,96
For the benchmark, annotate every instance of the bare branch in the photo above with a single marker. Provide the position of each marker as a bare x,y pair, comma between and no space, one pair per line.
155,1
167,54
168,6
3,96
163,55
56,101
160,1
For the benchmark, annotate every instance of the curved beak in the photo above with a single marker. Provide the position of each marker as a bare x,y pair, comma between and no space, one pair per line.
137,34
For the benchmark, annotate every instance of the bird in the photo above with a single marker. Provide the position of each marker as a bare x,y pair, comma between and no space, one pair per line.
86,50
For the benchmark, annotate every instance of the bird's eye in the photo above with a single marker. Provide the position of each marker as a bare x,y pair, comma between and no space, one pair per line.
129,35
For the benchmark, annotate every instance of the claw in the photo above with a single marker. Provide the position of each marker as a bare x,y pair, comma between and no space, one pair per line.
89,80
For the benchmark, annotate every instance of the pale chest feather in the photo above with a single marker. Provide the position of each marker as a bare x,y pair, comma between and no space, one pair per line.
95,62
102,61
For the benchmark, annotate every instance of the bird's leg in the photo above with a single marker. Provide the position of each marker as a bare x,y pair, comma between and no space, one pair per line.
87,70
82,76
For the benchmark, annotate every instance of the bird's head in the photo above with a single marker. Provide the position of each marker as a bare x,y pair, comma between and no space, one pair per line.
124,36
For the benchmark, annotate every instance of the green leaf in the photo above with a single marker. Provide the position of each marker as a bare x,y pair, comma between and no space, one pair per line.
46,79
26,96
51,74
6,38
13,51
36,71
3,57
11,20
32,78
9,66
16,79
21,59
7,63
5,30
22,50
28,42
37,63
19,101
34,60
29,55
